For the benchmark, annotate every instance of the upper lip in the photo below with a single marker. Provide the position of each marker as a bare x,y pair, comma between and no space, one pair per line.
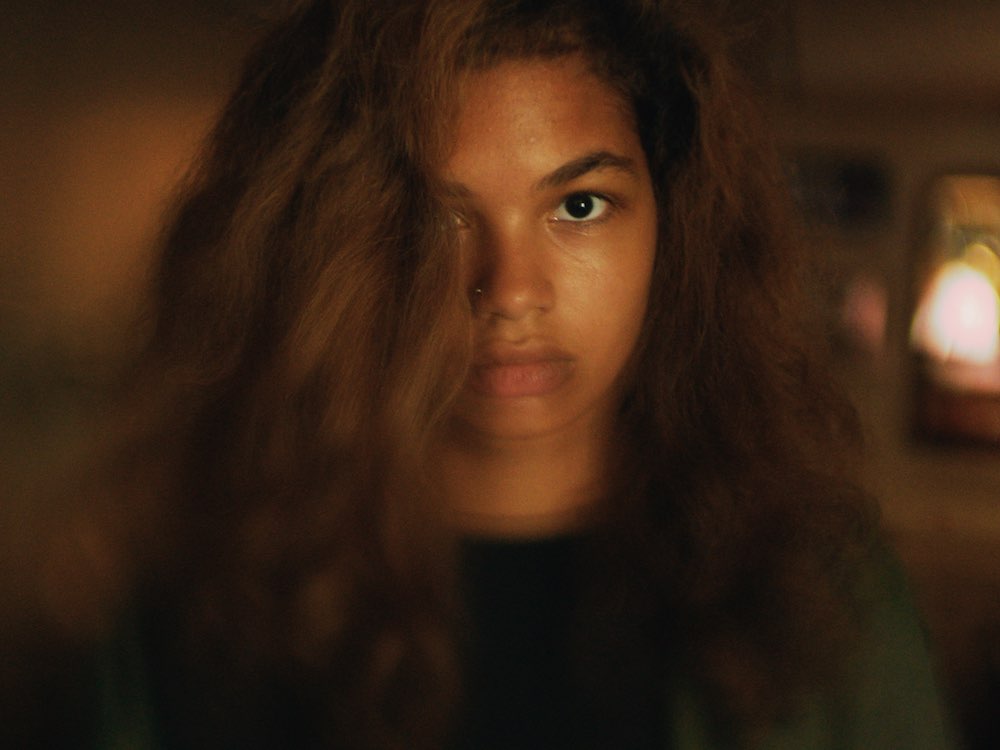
498,353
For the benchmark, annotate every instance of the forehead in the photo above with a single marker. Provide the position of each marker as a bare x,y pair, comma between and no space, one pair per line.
535,112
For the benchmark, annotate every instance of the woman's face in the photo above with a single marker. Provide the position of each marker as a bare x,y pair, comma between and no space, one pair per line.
553,201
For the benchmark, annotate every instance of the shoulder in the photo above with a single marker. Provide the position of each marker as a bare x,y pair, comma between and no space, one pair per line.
888,696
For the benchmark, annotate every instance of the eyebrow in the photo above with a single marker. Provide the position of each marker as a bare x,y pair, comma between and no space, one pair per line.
568,172
593,162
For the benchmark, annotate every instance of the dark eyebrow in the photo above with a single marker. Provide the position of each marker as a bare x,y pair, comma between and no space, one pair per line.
588,163
566,173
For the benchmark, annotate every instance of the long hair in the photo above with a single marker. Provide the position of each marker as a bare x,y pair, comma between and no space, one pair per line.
311,328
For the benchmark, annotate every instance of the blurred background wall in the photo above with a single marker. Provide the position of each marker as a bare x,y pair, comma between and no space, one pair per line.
102,103
873,101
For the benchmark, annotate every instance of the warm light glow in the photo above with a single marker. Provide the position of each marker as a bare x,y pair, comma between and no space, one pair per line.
959,316
984,258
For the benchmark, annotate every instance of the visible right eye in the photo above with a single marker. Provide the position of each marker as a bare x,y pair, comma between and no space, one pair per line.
583,207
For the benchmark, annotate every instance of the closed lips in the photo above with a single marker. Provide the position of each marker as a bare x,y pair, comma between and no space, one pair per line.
520,372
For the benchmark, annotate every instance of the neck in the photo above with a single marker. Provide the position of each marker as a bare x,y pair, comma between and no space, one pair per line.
542,486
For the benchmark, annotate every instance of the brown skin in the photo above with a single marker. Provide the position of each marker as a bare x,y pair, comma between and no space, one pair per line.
555,207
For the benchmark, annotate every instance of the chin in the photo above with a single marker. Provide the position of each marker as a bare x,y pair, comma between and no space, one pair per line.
486,427
483,420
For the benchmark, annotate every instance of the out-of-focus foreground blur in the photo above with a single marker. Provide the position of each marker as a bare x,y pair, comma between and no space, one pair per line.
888,114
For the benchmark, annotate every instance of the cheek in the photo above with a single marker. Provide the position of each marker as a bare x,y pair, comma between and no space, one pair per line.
632,297
614,304
630,275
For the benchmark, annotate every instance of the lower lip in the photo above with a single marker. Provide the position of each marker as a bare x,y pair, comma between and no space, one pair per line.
520,379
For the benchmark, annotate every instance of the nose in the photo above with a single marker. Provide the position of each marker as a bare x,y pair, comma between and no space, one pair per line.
513,277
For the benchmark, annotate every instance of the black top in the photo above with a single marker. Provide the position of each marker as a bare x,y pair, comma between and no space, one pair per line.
547,668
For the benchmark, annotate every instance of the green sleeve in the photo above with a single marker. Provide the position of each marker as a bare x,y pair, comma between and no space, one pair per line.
889,700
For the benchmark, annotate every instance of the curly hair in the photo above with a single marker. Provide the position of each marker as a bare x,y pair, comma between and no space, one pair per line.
310,332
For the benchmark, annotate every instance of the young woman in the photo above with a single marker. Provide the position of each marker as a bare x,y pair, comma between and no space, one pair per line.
481,412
